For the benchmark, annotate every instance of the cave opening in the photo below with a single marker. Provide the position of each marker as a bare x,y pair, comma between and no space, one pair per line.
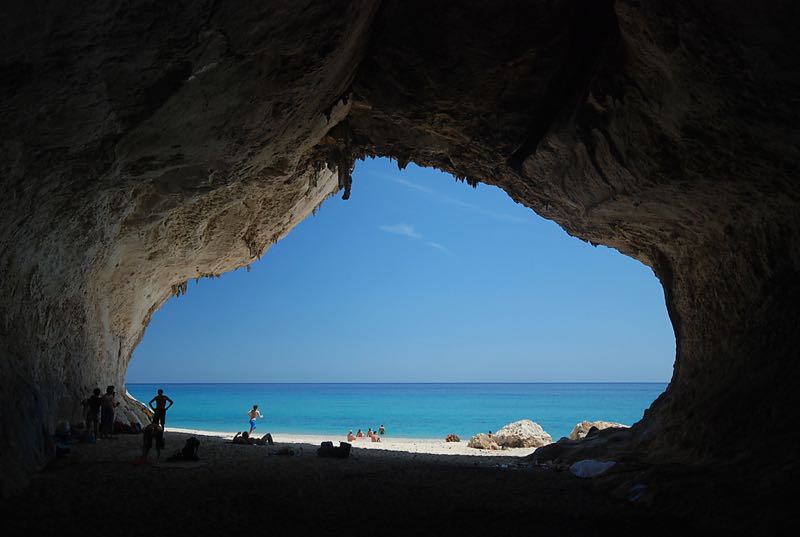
149,144
416,280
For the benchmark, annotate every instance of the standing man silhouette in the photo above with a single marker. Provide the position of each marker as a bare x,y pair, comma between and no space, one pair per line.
93,405
160,410
108,404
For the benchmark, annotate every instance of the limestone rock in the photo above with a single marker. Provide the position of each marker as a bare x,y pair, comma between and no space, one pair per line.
188,136
482,441
522,433
582,429
452,438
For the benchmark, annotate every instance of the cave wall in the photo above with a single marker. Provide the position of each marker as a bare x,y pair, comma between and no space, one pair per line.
148,143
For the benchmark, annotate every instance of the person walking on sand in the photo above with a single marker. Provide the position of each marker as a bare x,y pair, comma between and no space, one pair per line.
160,410
254,415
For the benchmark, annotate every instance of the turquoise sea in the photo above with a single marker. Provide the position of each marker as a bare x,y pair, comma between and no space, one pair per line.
407,410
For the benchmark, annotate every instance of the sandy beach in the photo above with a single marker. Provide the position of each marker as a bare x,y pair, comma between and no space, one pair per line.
430,446
419,487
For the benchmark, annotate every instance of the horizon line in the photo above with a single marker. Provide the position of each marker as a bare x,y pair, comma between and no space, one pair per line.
422,382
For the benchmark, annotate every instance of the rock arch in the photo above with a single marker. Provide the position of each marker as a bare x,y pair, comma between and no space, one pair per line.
147,143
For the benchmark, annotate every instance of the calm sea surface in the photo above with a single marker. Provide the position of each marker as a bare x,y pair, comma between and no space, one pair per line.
407,410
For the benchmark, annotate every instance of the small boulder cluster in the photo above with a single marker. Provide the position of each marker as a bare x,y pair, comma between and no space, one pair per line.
527,434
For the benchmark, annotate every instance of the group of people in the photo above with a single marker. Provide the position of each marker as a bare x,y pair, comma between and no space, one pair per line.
246,437
101,413
372,435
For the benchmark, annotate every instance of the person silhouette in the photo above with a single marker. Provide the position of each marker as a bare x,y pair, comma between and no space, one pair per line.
92,405
254,415
160,410
108,405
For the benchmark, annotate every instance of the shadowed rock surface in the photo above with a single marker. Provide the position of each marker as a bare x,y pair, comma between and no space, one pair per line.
583,428
145,144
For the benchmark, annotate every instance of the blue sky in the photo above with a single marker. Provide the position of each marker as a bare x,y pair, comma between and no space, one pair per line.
417,278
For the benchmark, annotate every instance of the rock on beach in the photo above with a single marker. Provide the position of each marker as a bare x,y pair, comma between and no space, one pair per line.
482,441
522,434
582,429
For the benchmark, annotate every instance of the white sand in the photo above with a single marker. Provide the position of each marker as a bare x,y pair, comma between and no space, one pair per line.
431,446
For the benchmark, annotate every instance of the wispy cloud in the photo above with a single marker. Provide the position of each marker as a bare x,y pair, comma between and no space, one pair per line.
480,210
405,230
503,217
411,185
437,246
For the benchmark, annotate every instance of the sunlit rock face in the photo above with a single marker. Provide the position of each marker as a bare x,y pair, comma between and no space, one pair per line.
145,144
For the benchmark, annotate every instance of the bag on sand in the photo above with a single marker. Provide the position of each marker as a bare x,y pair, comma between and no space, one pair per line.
326,449
188,453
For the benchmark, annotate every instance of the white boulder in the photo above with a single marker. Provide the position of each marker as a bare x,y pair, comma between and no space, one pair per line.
522,434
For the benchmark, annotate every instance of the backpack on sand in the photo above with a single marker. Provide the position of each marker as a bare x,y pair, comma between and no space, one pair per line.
188,453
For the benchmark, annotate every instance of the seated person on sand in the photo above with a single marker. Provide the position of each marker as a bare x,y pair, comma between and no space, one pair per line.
359,434
350,436
375,437
245,438
369,432
264,440
242,438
